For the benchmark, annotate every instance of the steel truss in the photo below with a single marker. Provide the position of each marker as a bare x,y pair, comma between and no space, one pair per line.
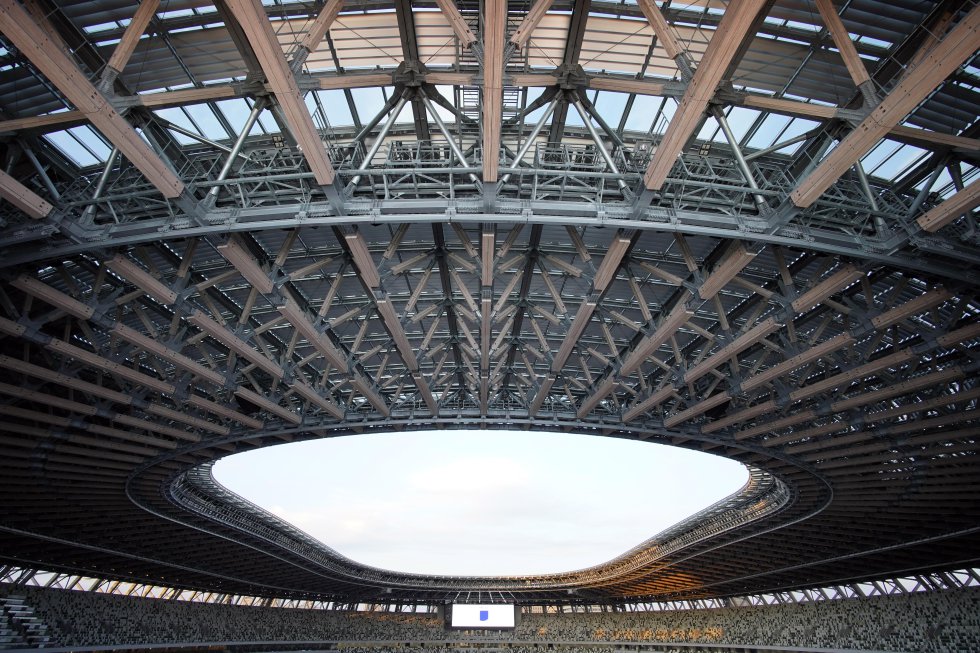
181,303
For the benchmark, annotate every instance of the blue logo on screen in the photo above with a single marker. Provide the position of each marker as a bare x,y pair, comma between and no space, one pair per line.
484,615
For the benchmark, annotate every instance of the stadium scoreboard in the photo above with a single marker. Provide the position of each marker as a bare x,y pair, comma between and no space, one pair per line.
474,615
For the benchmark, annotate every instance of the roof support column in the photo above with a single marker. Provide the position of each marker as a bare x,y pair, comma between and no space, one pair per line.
734,29
366,163
743,165
236,148
90,210
532,137
613,168
251,15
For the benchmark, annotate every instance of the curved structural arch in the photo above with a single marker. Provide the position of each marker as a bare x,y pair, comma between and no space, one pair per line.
767,252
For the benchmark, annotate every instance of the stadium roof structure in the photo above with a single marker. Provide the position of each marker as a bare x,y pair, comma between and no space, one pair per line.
746,229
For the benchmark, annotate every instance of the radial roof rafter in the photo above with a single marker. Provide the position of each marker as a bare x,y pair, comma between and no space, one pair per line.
495,262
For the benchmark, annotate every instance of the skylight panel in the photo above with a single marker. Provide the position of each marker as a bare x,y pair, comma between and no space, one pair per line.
267,124
610,106
803,26
207,123
710,131
895,166
654,121
236,114
740,120
369,102
179,118
101,27
175,13
69,146
92,141
885,45
879,154
334,104
769,132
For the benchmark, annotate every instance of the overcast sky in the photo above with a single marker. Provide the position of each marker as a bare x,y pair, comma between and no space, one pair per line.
480,502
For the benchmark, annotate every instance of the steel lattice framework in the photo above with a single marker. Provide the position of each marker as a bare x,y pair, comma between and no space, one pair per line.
209,246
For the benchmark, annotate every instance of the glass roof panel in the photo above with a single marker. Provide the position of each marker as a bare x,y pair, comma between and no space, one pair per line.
205,119
92,141
897,163
768,133
236,113
335,105
179,118
369,101
610,106
69,146
741,120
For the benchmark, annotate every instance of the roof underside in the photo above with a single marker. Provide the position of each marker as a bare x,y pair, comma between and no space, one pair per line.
746,229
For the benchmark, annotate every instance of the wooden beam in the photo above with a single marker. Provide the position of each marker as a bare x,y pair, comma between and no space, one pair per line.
23,197
494,31
321,25
354,81
942,214
50,59
790,107
63,119
522,34
463,32
665,35
928,139
131,37
843,42
446,78
944,58
252,17
732,31
187,96
638,86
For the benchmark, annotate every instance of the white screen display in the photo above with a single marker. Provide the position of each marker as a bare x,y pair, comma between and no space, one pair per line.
482,616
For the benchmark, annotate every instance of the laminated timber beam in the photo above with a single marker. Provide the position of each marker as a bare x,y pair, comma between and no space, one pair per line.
130,39
314,35
252,17
734,28
665,35
953,207
941,60
463,32
617,251
371,277
58,299
494,32
23,197
531,20
859,74
51,60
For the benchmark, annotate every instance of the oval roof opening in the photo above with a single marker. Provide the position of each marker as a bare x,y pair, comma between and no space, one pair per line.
480,503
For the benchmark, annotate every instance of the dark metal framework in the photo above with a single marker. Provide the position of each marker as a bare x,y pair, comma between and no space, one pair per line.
492,263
